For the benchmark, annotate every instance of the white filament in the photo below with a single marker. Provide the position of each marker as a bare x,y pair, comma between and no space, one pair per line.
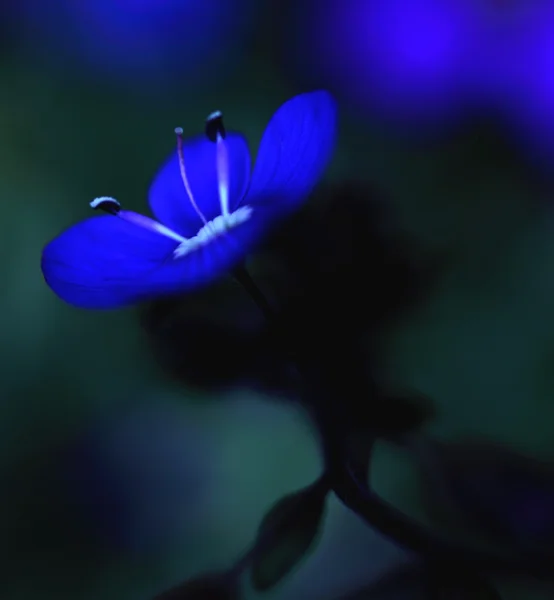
138,219
148,223
181,155
222,165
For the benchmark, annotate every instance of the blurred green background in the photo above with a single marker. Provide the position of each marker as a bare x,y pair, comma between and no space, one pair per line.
482,346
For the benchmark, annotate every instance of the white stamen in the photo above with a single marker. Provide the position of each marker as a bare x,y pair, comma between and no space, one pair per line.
136,218
97,201
179,134
222,163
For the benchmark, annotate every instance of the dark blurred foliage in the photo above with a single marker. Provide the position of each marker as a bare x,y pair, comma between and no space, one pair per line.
43,535
215,586
126,487
214,339
133,41
138,478
494,490
327,315
334,318
349,230
479,148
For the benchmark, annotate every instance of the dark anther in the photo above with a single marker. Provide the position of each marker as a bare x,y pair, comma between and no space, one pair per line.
108,205
214,126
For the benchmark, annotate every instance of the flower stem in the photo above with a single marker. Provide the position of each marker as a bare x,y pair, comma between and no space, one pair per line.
243,277
407,533
344,480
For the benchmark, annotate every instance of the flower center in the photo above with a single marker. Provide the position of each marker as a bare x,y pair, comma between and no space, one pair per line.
212,229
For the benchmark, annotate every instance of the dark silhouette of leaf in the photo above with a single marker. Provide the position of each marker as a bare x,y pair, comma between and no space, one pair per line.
402,583
287,533
447,582
395,415
214,586
426,582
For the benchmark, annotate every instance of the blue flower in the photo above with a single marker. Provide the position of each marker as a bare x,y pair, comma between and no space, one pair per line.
395,57
140,40
211,211
437,59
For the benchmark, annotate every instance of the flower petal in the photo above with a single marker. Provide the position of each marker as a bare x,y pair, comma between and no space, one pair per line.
101,262
107,262
168,197
295,149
